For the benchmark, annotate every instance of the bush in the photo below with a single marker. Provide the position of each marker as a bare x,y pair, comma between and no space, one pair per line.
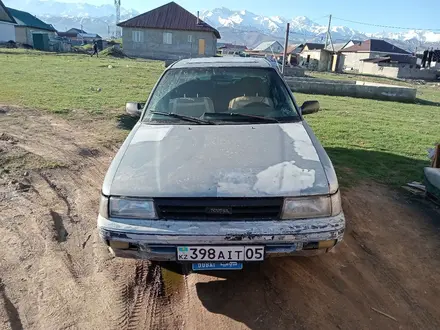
113,51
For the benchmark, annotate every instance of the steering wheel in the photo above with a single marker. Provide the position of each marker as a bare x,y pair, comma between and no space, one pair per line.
257,103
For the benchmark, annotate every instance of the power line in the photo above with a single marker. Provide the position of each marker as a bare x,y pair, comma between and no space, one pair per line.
384,26
319,18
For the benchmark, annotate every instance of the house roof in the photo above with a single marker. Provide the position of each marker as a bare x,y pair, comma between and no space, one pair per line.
5,15
265,45
391,58
170,16
75,30
230,45
314,46
89,35
337,47
67,34
25,19
375,45
291,48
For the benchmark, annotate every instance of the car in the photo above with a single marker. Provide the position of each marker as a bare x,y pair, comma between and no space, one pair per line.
221,169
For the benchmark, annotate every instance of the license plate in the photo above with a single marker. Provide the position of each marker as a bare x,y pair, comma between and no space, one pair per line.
217,266
220,253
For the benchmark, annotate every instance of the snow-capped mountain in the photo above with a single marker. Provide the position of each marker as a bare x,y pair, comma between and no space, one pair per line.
64,9
100,19
302,28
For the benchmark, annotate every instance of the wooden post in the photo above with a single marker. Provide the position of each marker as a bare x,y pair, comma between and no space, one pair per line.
286,42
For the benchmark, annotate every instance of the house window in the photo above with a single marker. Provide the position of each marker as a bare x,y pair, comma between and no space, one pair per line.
190,38
167,38
137,36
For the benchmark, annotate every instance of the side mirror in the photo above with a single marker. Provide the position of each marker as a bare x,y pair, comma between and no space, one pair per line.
134,109
309,107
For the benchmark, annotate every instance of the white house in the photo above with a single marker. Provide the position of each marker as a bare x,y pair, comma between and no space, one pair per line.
352,57
269,47
7,24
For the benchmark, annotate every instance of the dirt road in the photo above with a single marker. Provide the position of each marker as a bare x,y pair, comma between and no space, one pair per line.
55,273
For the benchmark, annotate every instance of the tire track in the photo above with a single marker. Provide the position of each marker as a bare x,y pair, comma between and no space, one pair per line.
143,302
59,192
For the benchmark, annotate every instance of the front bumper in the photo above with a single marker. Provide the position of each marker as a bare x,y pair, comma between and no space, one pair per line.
158,239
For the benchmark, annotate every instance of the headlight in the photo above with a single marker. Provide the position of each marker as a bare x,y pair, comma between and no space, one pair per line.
103,206
132,208
311,207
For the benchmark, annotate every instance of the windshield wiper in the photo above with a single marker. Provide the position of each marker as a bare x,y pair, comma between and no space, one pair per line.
234,114
185,118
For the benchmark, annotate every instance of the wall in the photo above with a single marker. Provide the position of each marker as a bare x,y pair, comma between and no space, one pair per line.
375,69
319,59
7,31
325,60
152,45
21,34
351,60
361,90
402,71
294,71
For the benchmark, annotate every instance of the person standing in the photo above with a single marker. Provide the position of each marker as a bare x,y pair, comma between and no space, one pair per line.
95,48
424,58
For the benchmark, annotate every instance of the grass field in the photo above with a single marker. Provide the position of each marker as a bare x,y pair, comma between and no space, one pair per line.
386,141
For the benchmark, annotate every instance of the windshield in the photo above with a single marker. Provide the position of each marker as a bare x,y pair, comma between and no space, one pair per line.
221,96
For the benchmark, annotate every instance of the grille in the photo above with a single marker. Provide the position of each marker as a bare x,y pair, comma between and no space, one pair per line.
218,208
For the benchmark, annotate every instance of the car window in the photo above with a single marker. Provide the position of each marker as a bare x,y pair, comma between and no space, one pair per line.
222,95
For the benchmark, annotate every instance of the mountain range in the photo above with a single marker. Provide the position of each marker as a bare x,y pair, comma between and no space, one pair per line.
235,26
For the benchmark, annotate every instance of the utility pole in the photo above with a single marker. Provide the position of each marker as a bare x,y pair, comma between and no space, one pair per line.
118,16
328,36
286,43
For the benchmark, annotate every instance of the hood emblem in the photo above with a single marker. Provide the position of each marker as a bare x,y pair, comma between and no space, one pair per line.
218,210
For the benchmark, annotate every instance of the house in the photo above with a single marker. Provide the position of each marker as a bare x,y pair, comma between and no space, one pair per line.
7,24
312,46
169,32
293,52
30,30
228,48
295,49
315,57
352,56
396,66
269,47
78,37
76,31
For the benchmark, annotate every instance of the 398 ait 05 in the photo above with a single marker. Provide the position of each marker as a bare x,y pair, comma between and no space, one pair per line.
220,253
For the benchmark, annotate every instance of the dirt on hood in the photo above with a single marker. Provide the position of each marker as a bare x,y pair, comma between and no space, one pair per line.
56,274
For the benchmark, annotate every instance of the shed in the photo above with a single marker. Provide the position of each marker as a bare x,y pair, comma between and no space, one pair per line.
27,25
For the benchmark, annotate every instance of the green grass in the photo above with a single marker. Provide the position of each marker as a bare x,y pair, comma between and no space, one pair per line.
366,139
66,82
386,141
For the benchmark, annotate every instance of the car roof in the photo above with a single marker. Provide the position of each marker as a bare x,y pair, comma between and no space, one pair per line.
248,62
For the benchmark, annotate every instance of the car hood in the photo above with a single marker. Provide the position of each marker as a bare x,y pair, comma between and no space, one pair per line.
217,161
